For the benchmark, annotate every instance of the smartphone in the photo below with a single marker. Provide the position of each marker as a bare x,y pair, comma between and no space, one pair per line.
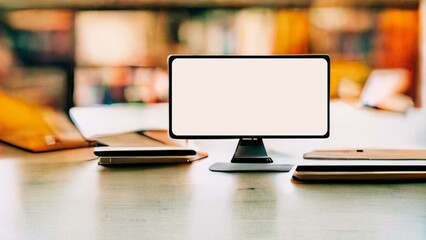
349,173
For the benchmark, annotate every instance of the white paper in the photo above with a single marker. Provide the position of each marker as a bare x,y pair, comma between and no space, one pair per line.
115,119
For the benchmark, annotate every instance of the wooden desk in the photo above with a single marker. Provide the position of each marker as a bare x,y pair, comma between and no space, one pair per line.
63,195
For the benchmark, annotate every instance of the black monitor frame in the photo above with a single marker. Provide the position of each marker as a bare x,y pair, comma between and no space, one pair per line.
173,57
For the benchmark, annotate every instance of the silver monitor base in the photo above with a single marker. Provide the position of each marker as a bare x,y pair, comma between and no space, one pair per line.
250,167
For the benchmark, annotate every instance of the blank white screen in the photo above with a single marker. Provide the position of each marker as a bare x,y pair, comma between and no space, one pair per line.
249,96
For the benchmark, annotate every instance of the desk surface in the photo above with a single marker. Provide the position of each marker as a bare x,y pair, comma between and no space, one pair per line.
63,195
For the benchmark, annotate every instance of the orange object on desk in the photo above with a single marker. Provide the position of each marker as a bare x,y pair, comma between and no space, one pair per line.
36,128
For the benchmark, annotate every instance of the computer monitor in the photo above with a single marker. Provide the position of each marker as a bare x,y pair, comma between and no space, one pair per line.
249,97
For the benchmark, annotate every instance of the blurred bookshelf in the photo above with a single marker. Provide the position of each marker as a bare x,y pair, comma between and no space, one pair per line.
95,52
104,4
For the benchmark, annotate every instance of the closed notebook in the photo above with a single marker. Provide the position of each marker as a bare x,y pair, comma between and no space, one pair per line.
367,154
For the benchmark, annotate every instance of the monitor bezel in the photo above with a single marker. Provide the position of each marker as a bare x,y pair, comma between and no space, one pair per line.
171,58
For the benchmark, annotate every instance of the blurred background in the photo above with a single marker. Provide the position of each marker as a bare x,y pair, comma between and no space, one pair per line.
64,53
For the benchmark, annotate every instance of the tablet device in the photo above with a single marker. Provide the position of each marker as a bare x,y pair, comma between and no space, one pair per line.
366,173
143,151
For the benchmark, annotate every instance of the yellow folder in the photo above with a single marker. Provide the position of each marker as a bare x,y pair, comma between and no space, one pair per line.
36,128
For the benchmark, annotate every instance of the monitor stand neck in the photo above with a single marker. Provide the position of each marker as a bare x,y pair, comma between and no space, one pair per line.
251,150
248,157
